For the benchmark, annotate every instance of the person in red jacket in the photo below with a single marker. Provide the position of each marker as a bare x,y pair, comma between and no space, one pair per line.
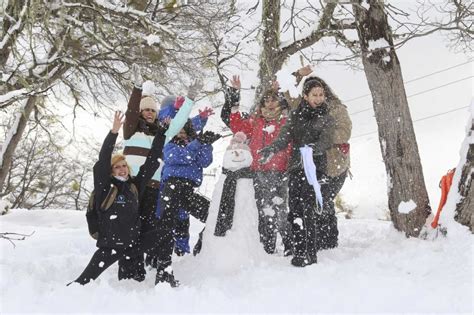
270,180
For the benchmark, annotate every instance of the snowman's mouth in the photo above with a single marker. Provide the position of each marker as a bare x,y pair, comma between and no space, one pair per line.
238,160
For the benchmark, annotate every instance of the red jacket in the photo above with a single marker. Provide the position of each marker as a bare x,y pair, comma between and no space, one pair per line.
254,127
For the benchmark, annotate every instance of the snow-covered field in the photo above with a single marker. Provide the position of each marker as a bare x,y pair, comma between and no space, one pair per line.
375,269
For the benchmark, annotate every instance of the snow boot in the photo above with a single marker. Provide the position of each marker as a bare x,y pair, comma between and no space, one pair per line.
198,245
163,276
303,261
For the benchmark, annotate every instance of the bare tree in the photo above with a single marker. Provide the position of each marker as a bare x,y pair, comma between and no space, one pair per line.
465,207
82,50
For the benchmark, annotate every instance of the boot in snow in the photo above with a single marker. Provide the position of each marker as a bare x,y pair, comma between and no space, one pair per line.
164,276
303,261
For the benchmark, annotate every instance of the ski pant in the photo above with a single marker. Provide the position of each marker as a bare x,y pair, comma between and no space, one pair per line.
271,197
104,257
327,233
133,266
177,193
303,216
199,209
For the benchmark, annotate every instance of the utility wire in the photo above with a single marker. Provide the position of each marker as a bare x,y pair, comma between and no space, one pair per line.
418,93
420,119
416,79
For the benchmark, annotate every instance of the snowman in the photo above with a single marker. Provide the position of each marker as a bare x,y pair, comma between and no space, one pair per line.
231,240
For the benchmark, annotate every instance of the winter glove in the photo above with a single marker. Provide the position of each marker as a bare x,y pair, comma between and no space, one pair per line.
204,114
179,102
232,95
266,155
194,89
344,147
137,76
208,137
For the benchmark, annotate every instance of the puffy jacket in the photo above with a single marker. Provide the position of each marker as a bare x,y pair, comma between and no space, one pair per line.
186,161
119,225
261,134
338,155
307,126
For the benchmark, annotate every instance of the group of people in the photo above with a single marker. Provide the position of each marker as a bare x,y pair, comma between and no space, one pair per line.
143,197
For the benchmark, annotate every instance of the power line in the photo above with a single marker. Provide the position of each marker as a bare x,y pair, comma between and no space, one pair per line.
418,93
420,119
416,79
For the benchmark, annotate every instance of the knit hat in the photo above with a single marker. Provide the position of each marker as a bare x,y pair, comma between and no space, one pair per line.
238,141
168,101
148,102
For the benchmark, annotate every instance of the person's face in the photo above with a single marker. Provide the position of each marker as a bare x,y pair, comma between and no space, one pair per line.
315,97
182,135
120,169
271,107
149,114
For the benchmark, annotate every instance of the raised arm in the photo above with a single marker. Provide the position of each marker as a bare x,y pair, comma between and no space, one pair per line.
133,108
102,166
232,98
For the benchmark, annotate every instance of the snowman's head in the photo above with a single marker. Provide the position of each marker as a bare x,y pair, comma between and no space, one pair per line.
238,154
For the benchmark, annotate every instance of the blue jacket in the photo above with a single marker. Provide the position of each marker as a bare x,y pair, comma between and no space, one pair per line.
169,111
186,161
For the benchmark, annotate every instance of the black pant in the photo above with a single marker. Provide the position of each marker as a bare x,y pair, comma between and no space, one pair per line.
327,233
303,215
177,193
271,198
103,258
133,266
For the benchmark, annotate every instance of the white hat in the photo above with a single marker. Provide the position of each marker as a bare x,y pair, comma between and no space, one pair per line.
148,102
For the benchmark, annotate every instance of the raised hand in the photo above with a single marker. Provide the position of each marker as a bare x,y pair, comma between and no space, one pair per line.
235,82
305,70
194,89
118,121
179,102
208,111
137,76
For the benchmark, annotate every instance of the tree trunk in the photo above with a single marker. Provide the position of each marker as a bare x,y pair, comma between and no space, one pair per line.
271,59
11,145
407,196
465,208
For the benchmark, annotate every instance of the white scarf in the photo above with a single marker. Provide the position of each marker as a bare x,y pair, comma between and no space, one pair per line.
310,172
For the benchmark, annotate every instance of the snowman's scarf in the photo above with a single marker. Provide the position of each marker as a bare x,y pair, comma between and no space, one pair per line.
225,216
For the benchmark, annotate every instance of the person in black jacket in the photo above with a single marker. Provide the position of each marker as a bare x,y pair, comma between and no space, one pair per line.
119,223
310,129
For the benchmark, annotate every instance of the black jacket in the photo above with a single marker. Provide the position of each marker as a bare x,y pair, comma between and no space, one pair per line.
119,225
307,126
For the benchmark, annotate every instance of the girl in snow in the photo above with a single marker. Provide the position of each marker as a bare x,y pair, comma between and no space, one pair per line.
337,157
116,201
184,157
310,129
270,180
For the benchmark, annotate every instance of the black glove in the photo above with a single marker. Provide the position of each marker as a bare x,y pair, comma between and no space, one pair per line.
265,155
208,137
232,95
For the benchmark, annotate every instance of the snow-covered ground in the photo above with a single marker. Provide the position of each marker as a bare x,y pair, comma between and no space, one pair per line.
375,269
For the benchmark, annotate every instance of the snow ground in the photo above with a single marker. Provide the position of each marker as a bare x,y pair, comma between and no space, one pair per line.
374,270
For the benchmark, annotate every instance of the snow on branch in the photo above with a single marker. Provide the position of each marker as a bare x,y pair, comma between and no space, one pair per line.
15,27
314,36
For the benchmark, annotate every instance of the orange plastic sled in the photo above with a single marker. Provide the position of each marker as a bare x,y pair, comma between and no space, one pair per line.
445,185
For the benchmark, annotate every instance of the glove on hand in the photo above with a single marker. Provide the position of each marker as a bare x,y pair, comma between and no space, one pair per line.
208,137
266,155
232,95
179,102
204,114
194,89
137,76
